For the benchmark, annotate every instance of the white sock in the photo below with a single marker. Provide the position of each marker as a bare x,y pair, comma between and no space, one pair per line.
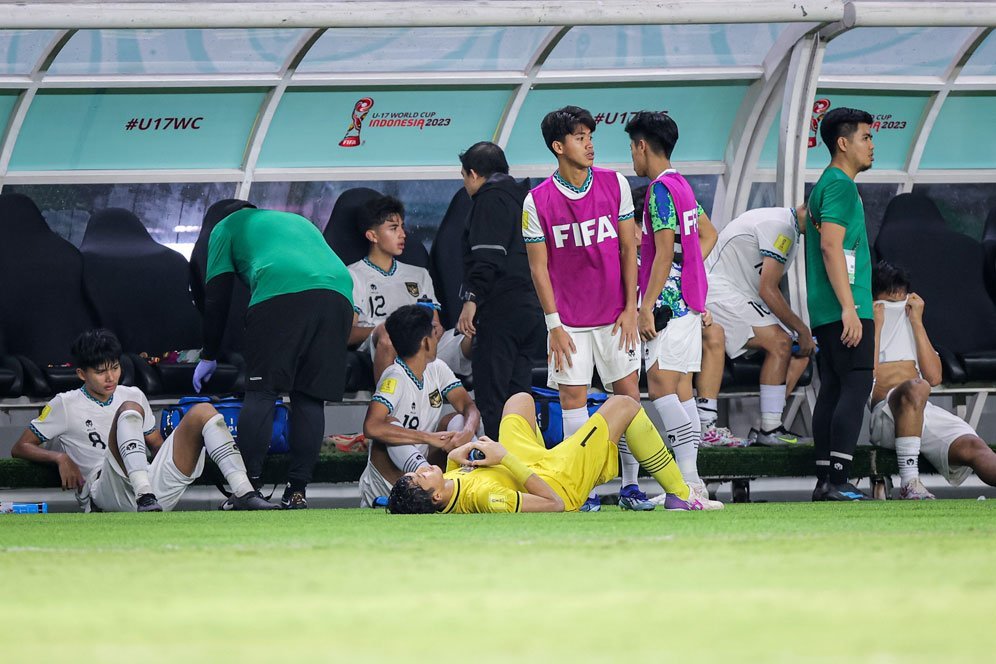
221,447
131,446
708,410
629,467
574,419
772,405
407,458
696,424
908,456
681,437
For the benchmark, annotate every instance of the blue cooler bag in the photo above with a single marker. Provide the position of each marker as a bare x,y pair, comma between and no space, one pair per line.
230,409
550,416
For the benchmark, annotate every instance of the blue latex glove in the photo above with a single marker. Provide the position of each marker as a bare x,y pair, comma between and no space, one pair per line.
203,372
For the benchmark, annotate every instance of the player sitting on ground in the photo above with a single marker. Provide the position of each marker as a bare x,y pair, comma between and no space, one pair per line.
105,430
381,284
519,474
902,417
403,419
744,270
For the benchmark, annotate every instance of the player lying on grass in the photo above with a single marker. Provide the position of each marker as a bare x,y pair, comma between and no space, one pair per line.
404,416
902,418
519,474
105,430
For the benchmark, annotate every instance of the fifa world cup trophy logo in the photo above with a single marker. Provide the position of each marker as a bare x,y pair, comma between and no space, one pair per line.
820,108
360,110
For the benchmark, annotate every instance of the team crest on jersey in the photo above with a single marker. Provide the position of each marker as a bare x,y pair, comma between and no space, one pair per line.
412,288
435,399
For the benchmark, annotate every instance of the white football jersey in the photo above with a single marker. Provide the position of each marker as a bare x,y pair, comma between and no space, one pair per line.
416,404
746,241
377,294
83,425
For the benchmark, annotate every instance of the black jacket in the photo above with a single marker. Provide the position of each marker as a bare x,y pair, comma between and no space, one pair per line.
496,269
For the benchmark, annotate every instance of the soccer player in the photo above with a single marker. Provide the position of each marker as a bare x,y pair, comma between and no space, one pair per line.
382,283
404,417
105,430
581,246
296,330
838,285
744,270
672,285
518,474
902,417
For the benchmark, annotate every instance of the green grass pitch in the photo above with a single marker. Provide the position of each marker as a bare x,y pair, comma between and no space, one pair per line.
882,582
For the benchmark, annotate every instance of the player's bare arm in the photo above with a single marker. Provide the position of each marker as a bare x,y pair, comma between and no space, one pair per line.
540,497
626,324
460,399
29,447
926,357
380,426
358,333
664,243
561,344
832,249
708,235
771,274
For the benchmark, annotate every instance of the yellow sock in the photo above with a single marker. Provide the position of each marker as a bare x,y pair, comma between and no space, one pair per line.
648,448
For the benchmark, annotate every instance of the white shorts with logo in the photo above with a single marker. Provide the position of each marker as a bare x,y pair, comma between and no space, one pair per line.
738,315
678,347
940,429
109,489
372,484
597,348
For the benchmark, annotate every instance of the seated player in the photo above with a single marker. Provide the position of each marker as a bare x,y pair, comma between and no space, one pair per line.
902,417
381,284
744,270
403,419
105,430
518,474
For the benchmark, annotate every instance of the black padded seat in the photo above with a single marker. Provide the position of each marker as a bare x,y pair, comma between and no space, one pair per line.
140,290
11,373
989,254
744,373
233,339
446,257
42,306
343,235
946,271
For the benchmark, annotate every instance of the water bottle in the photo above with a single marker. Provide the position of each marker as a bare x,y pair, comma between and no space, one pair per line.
23,508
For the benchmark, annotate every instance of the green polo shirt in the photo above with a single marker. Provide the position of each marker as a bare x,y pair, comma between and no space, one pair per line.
835,200
275,253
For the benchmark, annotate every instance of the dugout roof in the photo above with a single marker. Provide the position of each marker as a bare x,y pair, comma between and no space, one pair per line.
241,98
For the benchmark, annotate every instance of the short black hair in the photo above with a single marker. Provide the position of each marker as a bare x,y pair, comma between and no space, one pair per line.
561,123
95,349
378,210
889,278
657,128
484,158
409,498
839,122
407,326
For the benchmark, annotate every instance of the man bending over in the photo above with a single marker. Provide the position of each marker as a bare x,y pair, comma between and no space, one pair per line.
902,417
519,474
